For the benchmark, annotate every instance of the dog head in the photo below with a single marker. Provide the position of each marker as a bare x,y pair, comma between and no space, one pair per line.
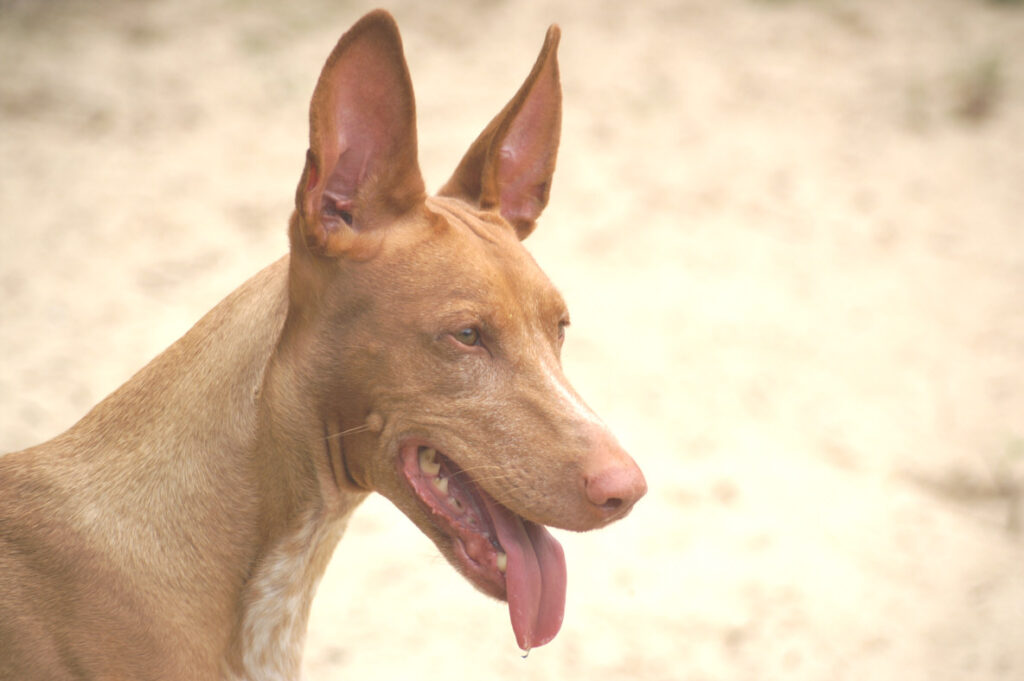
430,336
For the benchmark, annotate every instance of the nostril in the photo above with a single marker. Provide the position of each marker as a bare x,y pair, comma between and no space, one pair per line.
612,482
612,504
613,491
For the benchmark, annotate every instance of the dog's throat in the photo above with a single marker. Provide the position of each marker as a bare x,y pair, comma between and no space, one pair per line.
503,554
276,600
334,448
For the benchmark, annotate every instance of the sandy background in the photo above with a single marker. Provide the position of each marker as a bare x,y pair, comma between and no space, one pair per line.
792,237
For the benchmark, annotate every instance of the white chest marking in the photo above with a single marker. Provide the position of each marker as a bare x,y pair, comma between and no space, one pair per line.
272,631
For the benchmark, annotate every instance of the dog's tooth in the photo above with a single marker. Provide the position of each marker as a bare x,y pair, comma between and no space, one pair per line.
428,461
455,503
502,561
441,484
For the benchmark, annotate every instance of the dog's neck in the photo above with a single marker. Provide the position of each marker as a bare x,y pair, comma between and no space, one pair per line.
303,514
270,632
242,487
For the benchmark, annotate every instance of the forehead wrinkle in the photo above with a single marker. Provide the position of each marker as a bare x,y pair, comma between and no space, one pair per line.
485,229
508,269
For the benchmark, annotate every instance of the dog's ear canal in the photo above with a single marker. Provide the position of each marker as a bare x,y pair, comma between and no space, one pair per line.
361,169
509,166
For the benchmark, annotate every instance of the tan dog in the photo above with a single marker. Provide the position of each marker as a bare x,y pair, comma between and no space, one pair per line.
408,345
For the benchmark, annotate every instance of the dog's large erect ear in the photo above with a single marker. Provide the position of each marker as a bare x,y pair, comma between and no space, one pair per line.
509,166
361,168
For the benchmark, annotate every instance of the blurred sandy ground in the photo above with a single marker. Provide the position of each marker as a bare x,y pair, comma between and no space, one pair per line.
791,235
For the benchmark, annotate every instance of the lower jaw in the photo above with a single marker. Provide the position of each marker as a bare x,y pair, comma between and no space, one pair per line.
460,518
502,554
482,578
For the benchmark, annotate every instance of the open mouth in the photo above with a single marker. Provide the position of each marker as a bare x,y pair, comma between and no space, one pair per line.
504,554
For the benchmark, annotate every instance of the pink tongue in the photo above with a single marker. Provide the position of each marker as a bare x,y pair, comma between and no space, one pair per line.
534,578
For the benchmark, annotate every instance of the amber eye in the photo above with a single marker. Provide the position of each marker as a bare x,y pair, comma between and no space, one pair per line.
468,336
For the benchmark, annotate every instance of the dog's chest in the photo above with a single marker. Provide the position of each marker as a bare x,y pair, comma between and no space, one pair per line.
272,628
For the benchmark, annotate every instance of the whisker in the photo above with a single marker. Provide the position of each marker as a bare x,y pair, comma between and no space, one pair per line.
350,431
498,470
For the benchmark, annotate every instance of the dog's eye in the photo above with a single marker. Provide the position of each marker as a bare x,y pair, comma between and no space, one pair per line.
561,329
468,336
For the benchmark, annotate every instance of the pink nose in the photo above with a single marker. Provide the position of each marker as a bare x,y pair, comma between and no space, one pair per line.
615,487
